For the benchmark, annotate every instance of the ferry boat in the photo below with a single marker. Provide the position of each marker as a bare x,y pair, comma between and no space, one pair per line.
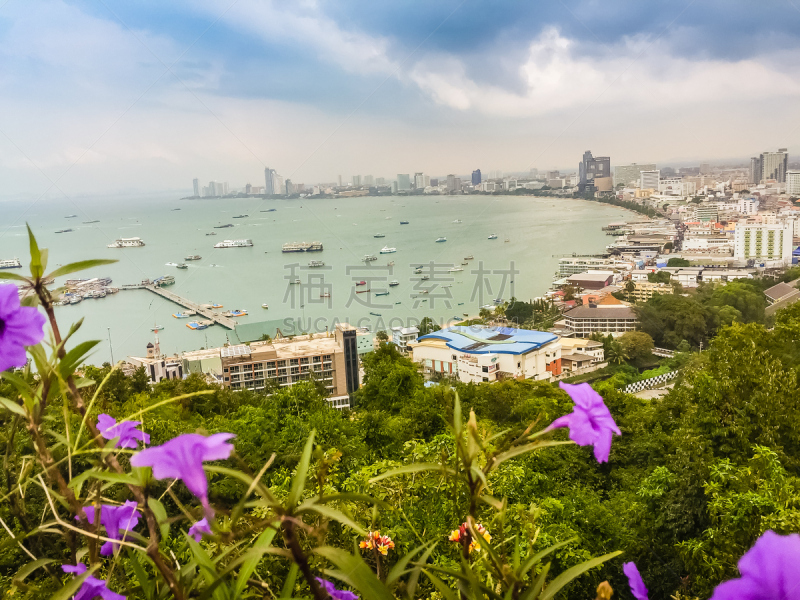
493,236
369,257
454,269
316,264
362,282
223,226
241,216
10,263
193,257
302,247
234,244
403,222
265,305
183,266
133,242
441,239
394,283
163,280
379,235
387,250
63,230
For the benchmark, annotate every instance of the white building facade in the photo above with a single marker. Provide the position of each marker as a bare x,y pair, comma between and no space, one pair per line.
768,243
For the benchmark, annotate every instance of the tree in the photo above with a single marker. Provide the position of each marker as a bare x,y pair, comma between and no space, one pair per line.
382,336
669,319
659,277
669,246
570,292
140,380
636,345
428,325
484,313
615,354
678,262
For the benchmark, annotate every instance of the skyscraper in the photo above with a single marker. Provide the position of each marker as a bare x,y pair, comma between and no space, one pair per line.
356,180
755,170
650,179
451,182
590,168
403,182
269,181
774,165
289,187
629,174
369,180
419,181
476,177
196,187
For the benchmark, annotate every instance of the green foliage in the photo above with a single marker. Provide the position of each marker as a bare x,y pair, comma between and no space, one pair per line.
428,325
678,262
659,277
636,345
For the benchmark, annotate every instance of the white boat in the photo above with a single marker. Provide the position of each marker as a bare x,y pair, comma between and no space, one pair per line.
295,281
234,244
156,328
441,239
454,269
369,257
493,236
182,266
325,295
457,221
302,247
390,263
316,264
193,257
265,305
163,280
133,242
394,283
11,263
379,235
387,250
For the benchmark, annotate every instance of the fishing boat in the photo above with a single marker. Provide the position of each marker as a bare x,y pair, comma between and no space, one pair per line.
464,263
369,258
493,236
441,239
265,305
454,269
470,257
325,295
193,257
212,233
362,282
315,264
387,250
382,294
70,216
63,230
236,312
425,278
457,221
183,266
295,282
234,244
403,222
156,328
394,283
375,314
223,226
379,235
241,216
183,315
362,291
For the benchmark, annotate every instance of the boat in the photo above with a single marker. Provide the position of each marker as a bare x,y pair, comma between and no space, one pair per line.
70,216
506,240
390,263
398,302
10,263
63,230
387,250
375,314
457,318
316,264
183,315
241,216
462,304
133,242
269,210
295,282
325,295
236,312
90,222
382,294
424,292
176,209
265,305
470,257
441,239
464,263
302,247
223,226
213,265
493,236
362,291
457,221
394,283
379,235
454,269
156,328
193,257
234,244
362,282
197,325
183,266
448,285
212,233
75,299
425,278
418,270
369,257
170,264
403,222
498,300
163,280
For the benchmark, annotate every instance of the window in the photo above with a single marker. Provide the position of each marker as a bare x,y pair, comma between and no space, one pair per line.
485,379
485,369
225,370
294,361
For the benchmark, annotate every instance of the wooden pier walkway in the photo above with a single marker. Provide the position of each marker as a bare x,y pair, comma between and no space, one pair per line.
208,313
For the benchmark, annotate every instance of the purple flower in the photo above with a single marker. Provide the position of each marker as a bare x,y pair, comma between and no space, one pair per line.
115,519
182,458
198,529
770,571
590,423
334,593
635,582
92,587
20,326
125,431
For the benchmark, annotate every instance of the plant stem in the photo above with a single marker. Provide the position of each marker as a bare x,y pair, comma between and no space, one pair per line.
290,539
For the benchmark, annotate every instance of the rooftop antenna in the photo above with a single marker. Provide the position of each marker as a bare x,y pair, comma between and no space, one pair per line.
110,347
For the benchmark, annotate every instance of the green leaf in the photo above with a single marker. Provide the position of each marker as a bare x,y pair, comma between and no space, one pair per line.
31,567
74,357
336,515
112,477
299,482
357,573
13,407
288,584
441,586
401,565
413,468
145,582
160,514
564,578
207,567
529,564
411,587
79,266
36,257
73,586
533,591
517,450
262,543
14,276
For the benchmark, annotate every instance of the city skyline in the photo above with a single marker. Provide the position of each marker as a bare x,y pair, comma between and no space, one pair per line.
146,100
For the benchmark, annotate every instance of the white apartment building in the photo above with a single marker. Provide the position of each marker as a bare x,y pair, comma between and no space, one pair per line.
749,206
764,242
793,183
401,336
629,174
648,180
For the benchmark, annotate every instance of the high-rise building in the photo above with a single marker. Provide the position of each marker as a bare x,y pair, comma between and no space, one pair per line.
196,187
774,165
269,181
591,167
289,187
419,181
553,175
649,180
380,181
630,174
476,177
403,182
451,183
248,189
705,169
356,180
755,169
763,242
793,183
369,180
434,182
340,181
534,173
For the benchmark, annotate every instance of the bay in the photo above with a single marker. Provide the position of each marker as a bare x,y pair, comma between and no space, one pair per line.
538,231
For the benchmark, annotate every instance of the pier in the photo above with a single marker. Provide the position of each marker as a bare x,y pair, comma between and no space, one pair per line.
208,313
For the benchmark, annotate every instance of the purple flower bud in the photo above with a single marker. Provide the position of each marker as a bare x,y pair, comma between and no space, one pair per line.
635,582
590,423
199,529
333,592
92,587
126,431
20,326
182,458
116,520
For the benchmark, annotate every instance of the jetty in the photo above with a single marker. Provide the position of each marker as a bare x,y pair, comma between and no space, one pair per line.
208,313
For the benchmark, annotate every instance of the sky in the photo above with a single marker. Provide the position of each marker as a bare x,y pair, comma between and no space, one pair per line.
102,96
